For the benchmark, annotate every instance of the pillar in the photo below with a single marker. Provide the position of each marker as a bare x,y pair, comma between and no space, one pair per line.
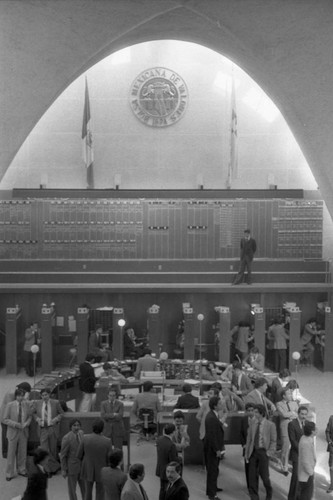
328,351
13,315
82,330
188,333
294,334
154,329
259,329
118,333
47,325
224,334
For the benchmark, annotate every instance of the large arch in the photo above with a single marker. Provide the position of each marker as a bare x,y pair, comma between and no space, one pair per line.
285,46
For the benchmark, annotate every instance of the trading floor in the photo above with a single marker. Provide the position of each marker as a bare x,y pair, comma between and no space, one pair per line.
315,386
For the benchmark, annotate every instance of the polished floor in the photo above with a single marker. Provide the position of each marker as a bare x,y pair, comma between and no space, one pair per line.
315,386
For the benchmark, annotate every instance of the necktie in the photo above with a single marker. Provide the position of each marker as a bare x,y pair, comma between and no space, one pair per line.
179,436
265,404
256,438
46,415
19,418
288,406
143,493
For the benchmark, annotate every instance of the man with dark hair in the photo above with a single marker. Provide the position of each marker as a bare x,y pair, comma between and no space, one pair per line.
113,478
112,412
278,383
240,382
87,383
133,489
48,414
166,452
8,398
176,489
93,452
295,432
258,396
17,417
287,409
147,363
260,445
147,400
248,248
187,401
306,461
95,345
245,423
213,446
180,436
70,464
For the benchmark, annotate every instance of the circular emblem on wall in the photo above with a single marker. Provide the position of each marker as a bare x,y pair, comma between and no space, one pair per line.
159,97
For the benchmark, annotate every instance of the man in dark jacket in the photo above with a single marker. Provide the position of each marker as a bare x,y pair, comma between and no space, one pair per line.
176,489
248,248
187,401
166,453
213,446
295,432
87,383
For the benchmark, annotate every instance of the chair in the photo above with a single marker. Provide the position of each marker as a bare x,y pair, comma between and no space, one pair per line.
146,417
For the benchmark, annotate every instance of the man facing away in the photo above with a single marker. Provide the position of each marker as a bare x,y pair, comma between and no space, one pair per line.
176,489
133,489
248,248
166,452
87,383
70,464
260,445
213,446
113,478
147,363
295,432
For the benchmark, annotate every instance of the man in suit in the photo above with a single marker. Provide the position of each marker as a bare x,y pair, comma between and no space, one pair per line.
329,439
295,432
278,335
278,384
112,412
48,414
180,436
187,401
87,383
70,464
287,409
8,398
240,382
260,445
95,346
17,417
147,363
113,478
93,452
166,452
257,396
213,446
306,461
245,423
133,489
248,248
255,359
176,489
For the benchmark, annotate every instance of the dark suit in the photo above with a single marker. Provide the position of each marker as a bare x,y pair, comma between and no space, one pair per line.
178,491
213,442
248,249
243,435
112,414
295,432
187,402
93,452
87,386
166,452
37,485
70,464
113,482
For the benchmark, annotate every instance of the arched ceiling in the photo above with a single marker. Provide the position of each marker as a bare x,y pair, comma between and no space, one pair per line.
286,46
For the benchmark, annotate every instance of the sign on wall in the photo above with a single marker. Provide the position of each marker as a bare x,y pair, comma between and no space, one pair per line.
159,97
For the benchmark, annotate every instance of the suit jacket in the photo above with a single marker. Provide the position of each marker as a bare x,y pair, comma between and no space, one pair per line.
276,389
166,452
56,412
258,363
113,481
295,432
245,384
187,402
214,433
94,343
244,428
113,414
268,430
306,458
93,452
329,433
11,419
145,364
248,248
178,491
255,398
278,335
130,491
87,378
68,453
37,485
287,411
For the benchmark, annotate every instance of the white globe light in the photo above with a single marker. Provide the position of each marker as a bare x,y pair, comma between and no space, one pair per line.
164,356
121,322
296,355
200,317
34,349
